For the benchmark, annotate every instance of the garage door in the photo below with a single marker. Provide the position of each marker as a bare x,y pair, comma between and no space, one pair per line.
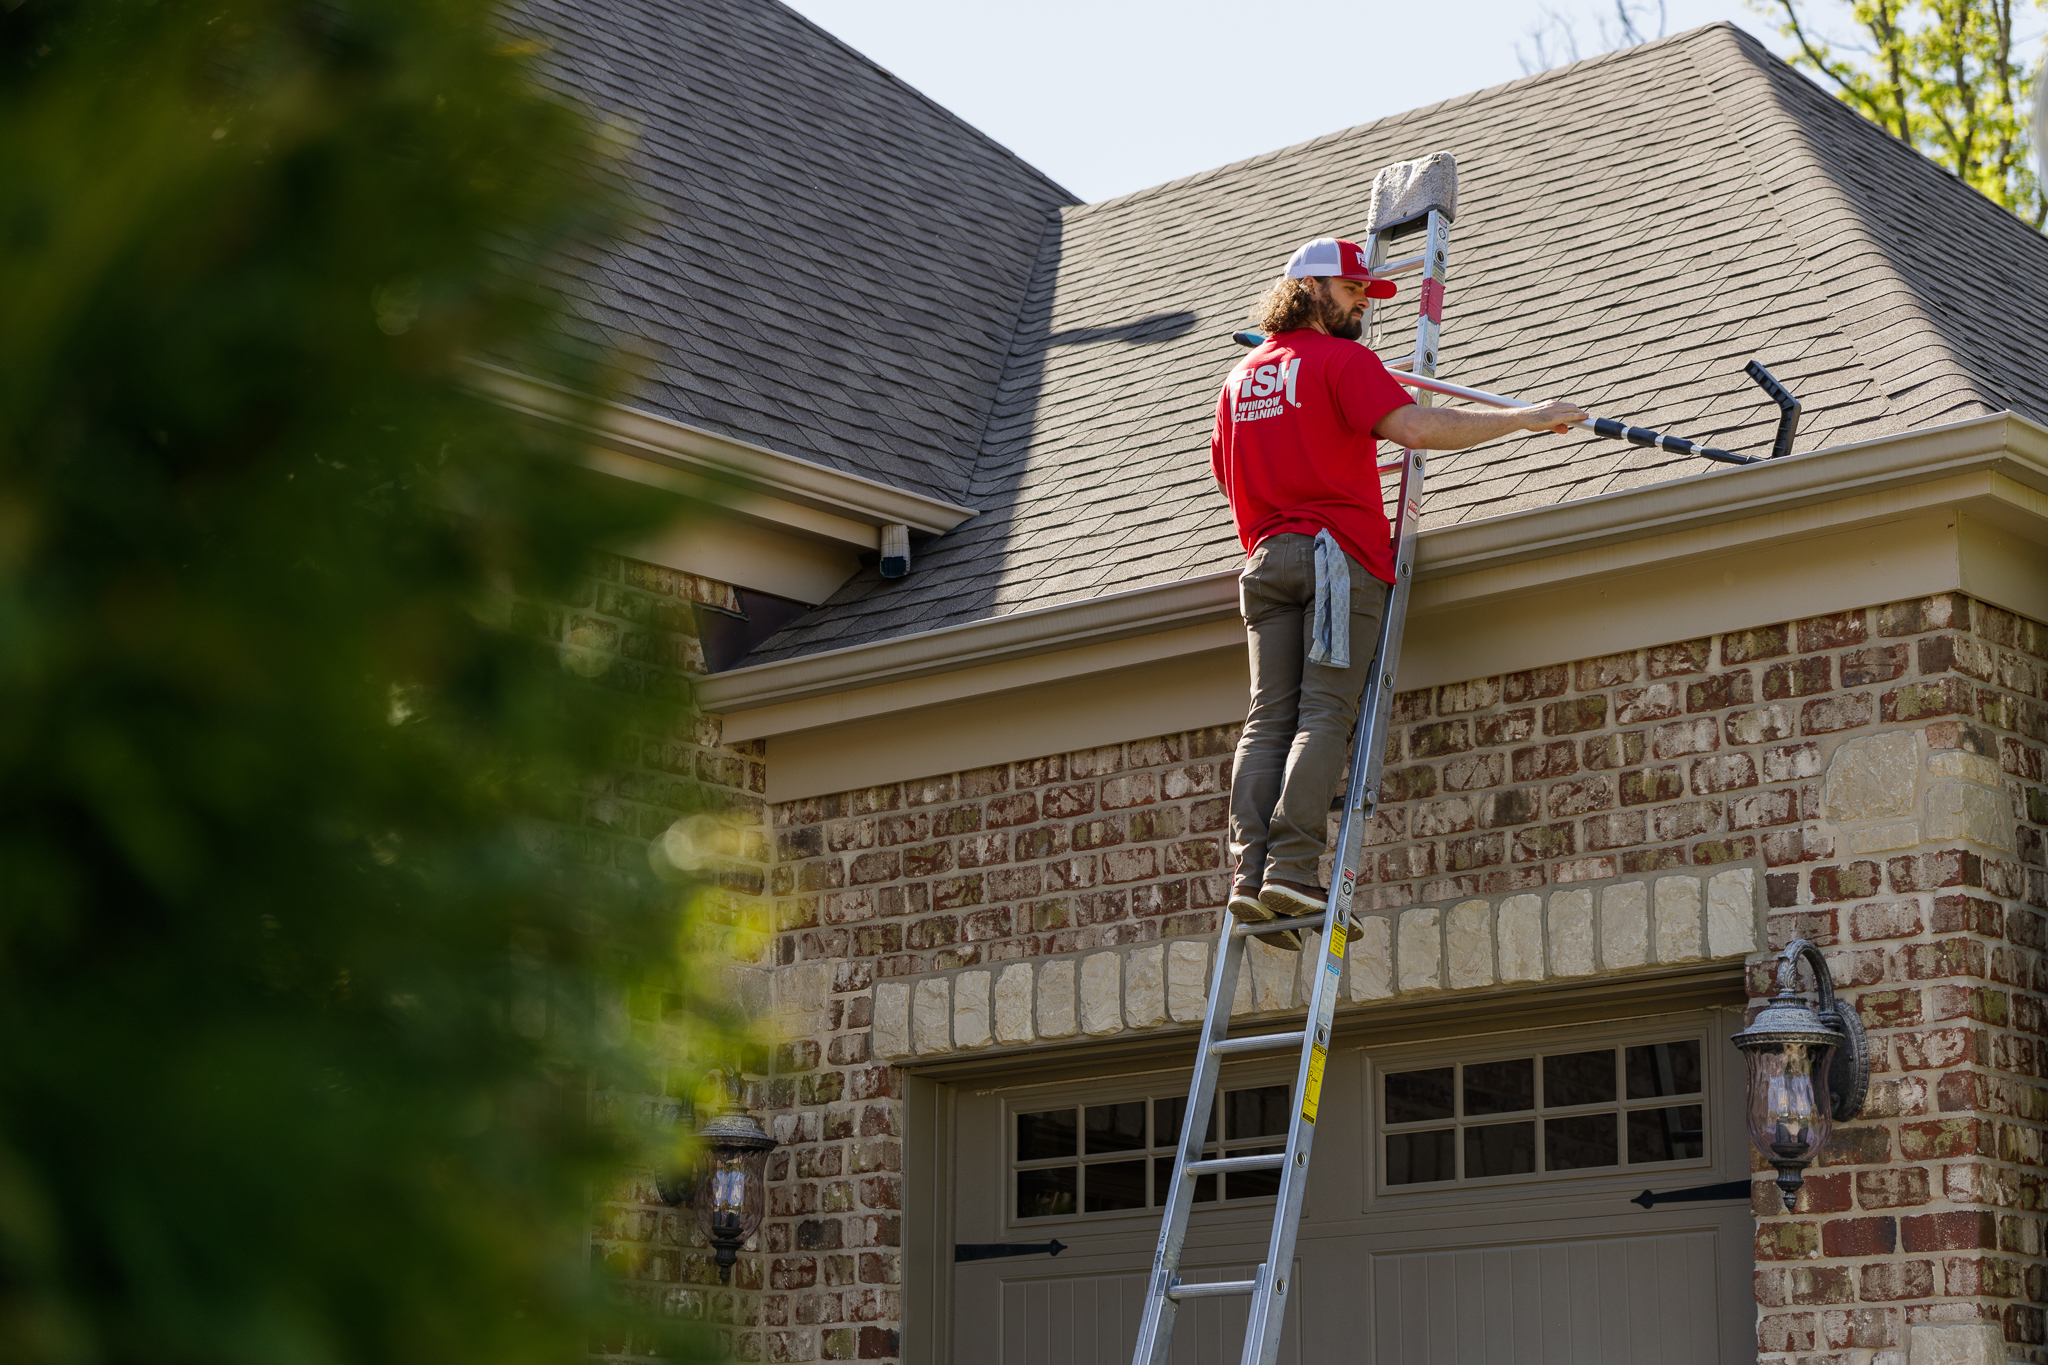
1470,1201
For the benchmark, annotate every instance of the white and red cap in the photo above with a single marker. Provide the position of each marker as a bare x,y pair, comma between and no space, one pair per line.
1335,256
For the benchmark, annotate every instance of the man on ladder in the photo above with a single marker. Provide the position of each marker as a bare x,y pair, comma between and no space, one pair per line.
1295,450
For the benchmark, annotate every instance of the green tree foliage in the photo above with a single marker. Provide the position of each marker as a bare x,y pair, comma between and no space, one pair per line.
282,899
1948,77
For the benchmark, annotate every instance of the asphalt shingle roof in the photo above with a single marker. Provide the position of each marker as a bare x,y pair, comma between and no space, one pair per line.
1631,230
835,262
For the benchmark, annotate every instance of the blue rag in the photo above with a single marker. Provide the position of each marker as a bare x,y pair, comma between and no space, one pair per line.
1330,623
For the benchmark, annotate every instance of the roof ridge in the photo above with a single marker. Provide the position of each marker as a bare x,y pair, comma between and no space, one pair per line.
1420,111
1842,249
971,128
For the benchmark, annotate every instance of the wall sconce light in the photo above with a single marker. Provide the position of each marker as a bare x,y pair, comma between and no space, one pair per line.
729,1190
1809,1068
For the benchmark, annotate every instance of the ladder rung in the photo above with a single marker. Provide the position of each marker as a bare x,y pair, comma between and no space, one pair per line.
1400,267
1401,362
1262,1040
1248,929
1265,1161
1219,1289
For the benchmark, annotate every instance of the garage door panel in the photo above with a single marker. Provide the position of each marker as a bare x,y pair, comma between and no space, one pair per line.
1615,1301
1092,1319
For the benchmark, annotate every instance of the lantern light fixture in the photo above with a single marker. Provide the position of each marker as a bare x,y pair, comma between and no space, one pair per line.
1809,1068
729,1188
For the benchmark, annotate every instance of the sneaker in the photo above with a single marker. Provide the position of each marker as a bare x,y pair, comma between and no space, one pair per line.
1246,906
1285,900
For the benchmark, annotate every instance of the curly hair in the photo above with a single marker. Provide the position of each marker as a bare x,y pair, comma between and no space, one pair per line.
1289,305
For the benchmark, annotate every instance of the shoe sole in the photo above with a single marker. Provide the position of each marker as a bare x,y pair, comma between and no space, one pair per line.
1247,910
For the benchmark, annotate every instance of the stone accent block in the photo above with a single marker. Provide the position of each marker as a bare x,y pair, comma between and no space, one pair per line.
1872,777
1420,950
1975,1343
1679,937
1056,1015
892,1019
1731,913
1469,937
1371,955
1013,1004
1624,926
971,1010
930,1025
1145,986
1571,933
1101,994
1521,938
1187,980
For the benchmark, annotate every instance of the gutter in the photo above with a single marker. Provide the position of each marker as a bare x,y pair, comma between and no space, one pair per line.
717,468
2002,444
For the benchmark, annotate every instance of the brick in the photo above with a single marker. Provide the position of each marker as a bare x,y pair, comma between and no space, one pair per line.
1443,737
1965,1231
1885,919
1897,1187
1538,762
1535,684
1679,738
1785,1240
1574,716
1798,678
1892,1280
1614,751
1831,715
1765,642
1934,871
1723,773
1860,1328
1776,1332
1720,692
1821,1283
1928,613
1607,670
1939,1139
1635,705
1506,727
1859,1237
1854,881
1832,632
1473,772
1923,701
1651,785
1878,663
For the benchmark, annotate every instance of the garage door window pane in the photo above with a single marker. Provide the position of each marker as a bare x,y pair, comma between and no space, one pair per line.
1045,1193
1665,1134
1417,1158
1579,1143
1113,1185
1116,1127
1578,1078
1500,1087
1044,1135
1256,1113
1500,1149
1419,1096
1661,1069
1166,1120
1162,1183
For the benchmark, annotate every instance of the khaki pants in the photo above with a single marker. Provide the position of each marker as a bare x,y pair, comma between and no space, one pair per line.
1298,735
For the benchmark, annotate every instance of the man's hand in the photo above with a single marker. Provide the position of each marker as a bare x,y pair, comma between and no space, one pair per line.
1420,428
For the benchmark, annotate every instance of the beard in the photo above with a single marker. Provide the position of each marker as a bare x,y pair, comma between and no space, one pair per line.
1337,319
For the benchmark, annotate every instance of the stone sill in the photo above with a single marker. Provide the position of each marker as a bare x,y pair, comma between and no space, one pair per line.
1627,928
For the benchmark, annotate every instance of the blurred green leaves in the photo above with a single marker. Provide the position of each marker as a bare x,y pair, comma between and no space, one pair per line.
303,996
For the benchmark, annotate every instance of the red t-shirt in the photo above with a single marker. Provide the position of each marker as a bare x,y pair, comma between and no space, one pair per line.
1294,449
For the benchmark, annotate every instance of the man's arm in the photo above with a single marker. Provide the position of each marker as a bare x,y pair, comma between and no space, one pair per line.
1420,428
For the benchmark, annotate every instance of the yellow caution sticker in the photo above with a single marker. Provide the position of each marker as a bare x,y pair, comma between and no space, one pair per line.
1312,1093
1337,937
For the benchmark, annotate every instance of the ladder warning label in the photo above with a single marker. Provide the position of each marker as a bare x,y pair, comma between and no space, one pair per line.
1337,937
1312,1093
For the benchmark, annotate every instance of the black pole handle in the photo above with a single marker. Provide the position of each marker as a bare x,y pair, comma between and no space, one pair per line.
1788,408
989,1251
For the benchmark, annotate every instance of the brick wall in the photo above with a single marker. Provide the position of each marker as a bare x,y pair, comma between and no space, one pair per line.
1766,746
631,626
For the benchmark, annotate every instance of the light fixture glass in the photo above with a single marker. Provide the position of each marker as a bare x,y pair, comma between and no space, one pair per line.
732,1184
1807,1068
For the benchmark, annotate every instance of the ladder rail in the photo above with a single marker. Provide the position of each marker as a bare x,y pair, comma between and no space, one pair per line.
1361,800
1268,1289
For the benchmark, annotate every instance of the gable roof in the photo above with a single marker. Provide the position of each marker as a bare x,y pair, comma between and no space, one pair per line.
835,262
1632,229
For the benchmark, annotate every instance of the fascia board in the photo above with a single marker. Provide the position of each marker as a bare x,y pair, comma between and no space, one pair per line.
1941,463
751,480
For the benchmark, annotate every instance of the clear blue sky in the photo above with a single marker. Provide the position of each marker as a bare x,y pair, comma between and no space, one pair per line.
1108,96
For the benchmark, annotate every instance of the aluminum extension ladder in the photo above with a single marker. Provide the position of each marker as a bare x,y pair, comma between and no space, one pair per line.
1268,1289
